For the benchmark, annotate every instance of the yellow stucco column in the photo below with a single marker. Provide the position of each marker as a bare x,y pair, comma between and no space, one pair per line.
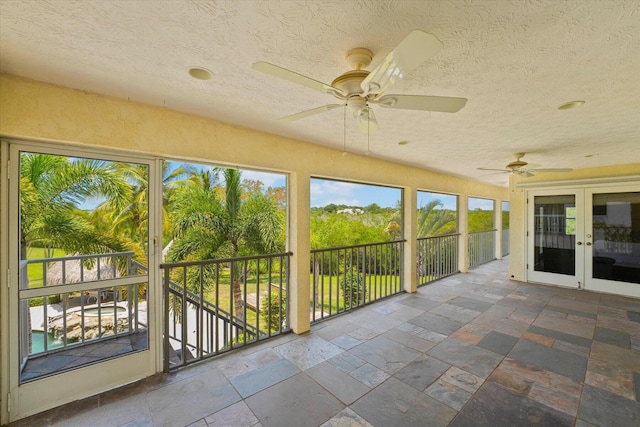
463,229
300,245
409,226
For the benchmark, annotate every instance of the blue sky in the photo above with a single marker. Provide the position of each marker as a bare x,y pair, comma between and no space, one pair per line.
324,192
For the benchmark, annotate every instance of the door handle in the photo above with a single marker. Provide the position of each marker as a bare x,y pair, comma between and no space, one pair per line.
588,243
579,243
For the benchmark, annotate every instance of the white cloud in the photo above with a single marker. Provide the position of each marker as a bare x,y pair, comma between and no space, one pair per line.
325,192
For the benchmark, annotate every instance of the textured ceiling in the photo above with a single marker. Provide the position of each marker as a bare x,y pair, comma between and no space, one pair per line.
515,61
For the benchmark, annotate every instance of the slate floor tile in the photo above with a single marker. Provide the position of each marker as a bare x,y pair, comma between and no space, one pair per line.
564,325
339,383
470,358
385,354
555,399
409,340
448,394
423,371
307,351
471,304
602,408
397,404
237,414
494,405
561,362
297,401
498,342
559,335
346,362
436,323
462,379
200,396
616,356
347,418
634,316
369,375
264,377
346,342
613,337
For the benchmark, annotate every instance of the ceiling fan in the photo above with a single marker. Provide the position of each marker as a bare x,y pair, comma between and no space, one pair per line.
359,88
524,169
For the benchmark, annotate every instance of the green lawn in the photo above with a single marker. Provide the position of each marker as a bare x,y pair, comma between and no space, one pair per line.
377,287
35,272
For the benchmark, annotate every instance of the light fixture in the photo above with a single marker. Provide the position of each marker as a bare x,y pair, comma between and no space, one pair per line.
569,105
200,73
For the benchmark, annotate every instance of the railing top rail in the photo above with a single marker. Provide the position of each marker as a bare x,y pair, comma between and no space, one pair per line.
440,235
357,246
74,257
221,260
482,231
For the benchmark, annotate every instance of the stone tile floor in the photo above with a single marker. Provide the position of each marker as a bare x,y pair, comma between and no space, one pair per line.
473,349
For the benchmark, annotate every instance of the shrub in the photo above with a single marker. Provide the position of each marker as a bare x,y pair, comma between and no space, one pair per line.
353,289
272,318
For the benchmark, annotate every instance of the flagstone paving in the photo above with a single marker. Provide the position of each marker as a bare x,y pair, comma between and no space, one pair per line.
473,349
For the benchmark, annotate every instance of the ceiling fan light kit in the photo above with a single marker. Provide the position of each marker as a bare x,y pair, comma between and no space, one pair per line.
360,89
526,170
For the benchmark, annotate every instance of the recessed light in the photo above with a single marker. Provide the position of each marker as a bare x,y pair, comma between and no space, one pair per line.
403,143
200,73
569,105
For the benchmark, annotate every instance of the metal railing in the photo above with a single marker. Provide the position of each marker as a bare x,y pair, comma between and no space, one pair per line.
437,257
347,277
505,242
79,299
213,306
482,246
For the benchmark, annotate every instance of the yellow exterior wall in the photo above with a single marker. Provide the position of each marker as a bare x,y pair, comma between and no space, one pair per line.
37,110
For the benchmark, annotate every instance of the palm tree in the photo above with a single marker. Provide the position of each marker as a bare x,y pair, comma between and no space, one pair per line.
130,221
51,190
433,221
210,225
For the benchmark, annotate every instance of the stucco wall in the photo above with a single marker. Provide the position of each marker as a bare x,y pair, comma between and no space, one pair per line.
37,110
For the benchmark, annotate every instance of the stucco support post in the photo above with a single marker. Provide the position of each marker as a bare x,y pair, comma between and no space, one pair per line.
497,221
463,229
409,226
300,245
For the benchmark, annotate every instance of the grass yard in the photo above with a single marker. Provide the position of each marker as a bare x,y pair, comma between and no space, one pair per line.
332,299
35,272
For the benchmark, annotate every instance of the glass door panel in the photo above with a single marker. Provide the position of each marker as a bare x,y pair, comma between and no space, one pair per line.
613,242
555,234
554,250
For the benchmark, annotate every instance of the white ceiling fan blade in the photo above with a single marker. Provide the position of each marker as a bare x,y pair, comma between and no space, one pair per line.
549,170
442,104
367,120
416,48
490,169
294,77
312,112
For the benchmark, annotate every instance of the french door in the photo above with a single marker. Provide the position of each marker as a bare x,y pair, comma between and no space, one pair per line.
587,238
82,316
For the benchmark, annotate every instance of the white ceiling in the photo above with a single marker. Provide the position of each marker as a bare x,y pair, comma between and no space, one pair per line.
515,61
